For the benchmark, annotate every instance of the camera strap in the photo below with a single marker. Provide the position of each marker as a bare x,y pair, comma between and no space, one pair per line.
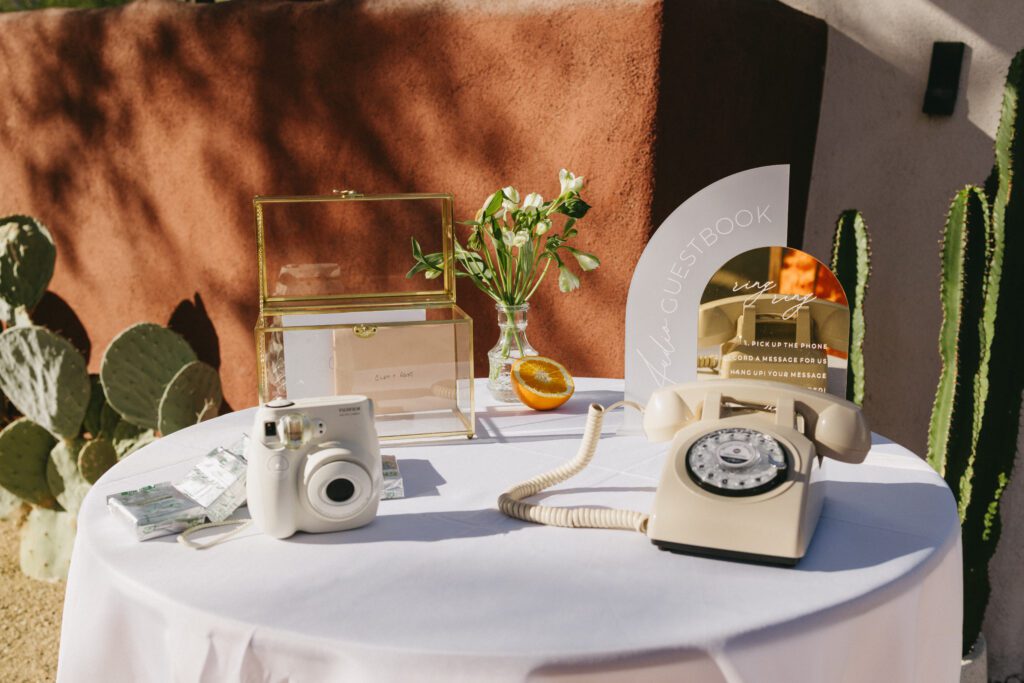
183,537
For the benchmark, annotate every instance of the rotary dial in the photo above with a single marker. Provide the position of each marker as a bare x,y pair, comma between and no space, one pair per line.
737,462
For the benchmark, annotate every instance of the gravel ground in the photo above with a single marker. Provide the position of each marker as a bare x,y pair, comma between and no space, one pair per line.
30,614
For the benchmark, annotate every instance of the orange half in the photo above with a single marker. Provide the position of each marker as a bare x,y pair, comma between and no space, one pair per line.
541,383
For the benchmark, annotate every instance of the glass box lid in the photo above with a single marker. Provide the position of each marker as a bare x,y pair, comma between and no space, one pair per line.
349,248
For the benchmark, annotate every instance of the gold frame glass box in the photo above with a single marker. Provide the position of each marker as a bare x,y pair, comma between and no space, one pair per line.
338,315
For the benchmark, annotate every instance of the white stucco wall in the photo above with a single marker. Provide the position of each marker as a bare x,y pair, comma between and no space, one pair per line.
878,153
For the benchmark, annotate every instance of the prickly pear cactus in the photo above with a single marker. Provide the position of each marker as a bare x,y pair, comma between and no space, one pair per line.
95,458
10,505
94,412
44,376
53,478
109,420
27,255
128,438
72,484
193,393
24,450
46,542
137,367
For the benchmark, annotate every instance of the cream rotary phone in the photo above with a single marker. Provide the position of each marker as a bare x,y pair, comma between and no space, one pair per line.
742,479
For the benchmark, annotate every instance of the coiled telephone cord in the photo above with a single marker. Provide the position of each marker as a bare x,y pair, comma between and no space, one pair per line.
512,504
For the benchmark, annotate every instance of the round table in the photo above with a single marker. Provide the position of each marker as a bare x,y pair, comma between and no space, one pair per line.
441,586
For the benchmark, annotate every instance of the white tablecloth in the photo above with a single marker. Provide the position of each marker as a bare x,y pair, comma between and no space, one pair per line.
443,587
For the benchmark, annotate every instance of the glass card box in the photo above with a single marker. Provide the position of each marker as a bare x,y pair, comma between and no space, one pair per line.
338,315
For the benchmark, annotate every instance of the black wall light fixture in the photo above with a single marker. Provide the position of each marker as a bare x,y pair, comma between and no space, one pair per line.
943,78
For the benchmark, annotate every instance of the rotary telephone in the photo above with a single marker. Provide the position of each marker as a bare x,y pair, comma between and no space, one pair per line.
760,332
742,479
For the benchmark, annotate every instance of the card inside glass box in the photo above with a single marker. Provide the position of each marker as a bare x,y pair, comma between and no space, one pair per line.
338,316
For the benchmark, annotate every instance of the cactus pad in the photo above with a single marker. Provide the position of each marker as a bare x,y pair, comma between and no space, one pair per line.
24,450
94,413
109,420
95,458
129,438
44,376
193,394
46,542
65,460
53,479
137,367
10,505
27,255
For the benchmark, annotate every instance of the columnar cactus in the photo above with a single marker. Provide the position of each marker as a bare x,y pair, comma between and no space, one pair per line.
975,423
965,261
1000,378
851,262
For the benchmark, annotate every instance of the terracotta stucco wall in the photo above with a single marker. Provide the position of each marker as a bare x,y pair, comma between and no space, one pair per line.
140,135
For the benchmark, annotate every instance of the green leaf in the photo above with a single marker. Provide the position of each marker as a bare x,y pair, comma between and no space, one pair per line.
418,268
570,229
475,240
567,280
493,204
473,263
417,253
574,207
587,261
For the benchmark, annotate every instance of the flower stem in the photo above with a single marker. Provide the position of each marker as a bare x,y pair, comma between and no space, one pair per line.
537,283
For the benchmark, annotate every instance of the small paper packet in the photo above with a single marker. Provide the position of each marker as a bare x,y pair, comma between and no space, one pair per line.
217,482
392,486
156,510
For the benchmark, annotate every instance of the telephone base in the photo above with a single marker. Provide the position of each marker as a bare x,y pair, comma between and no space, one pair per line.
719,554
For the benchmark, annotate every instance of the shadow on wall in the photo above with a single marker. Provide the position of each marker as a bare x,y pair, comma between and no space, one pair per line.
55,313
140,135
758,100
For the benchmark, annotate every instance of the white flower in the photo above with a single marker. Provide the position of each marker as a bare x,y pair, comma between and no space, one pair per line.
542,227
569,182
533,201
510,198
515,239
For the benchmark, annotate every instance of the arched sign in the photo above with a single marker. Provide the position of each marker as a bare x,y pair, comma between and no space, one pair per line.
775,314
738,213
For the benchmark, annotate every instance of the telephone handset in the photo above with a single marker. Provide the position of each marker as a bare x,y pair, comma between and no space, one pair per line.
742,477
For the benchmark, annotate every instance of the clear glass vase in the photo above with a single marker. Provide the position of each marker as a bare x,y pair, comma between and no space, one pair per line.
512,345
